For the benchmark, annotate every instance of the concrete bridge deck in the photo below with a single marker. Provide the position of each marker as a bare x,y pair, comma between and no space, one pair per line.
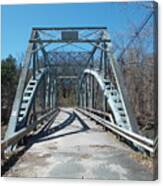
74,148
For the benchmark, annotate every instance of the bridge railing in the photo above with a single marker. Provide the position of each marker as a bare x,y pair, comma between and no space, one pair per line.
17,136
142,142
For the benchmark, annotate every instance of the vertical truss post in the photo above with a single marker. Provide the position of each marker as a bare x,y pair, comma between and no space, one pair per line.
34,78
82,96
101,61
81,99
37,60
54,94
93,62
44,93
85,95
90,85
78,95
104,103
105,75
57,94
45,79
93,92
105,61
51,95
86,92
49,91
103,72
93,85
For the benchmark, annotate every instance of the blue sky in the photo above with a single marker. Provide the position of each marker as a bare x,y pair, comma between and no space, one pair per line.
18,20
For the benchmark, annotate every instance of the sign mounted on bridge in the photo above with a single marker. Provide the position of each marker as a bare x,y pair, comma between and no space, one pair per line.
69,35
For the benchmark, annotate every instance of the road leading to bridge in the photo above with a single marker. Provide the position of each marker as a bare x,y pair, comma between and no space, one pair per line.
75,148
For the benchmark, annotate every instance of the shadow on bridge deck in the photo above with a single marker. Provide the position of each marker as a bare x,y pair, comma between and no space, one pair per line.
73,146
49,129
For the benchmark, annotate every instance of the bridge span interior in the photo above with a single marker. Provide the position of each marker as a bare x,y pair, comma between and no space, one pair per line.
71,110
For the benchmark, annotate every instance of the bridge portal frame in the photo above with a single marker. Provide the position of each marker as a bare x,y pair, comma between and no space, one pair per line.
37,44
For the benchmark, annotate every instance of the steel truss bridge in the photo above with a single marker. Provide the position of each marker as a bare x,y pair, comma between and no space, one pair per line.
99,86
